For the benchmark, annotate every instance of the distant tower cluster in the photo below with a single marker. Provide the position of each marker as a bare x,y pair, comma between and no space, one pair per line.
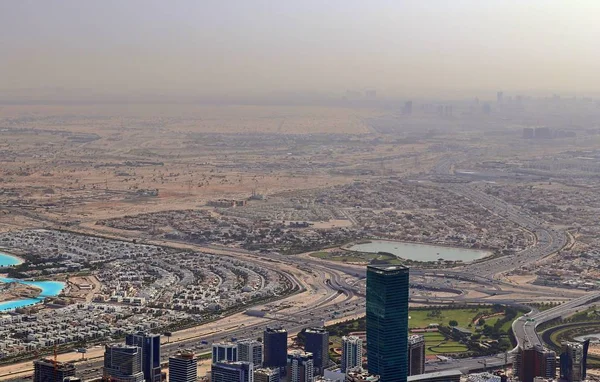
408,108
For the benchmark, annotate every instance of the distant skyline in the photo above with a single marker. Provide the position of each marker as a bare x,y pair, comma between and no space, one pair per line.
254,48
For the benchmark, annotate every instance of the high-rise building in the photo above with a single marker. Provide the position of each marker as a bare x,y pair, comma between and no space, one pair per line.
44,370
275,347
150,345
266,375
387,322
183,367
317,343
573,360
351,353
232,372
534,361
123,363
300,366
250,351
224,351
499,97
407,109
416,354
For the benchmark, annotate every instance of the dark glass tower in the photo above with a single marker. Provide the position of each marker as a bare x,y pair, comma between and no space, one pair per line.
150,345
275,347
387,322
317,343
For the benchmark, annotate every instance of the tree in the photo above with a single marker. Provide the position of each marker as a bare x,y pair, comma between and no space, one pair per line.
453,323
481,321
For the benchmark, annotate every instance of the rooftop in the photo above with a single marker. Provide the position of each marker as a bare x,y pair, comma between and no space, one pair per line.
437,374
387,268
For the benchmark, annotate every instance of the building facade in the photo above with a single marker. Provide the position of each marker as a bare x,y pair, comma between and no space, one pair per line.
317,343
45,371
351,353
266,375
573,361
534,361
232,372
275,347
150,345
416,354
250,351
387,322
300,366
224,352
123,363
183,367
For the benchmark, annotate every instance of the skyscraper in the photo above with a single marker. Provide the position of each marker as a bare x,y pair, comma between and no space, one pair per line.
300,367
275,347
45,371
317,343
123,363
573,360
150,345
183,367
232,372
407,109
416,354
351,353
224,351
387,322
534,361
250,351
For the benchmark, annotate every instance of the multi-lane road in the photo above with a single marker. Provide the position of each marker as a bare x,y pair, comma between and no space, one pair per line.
340,295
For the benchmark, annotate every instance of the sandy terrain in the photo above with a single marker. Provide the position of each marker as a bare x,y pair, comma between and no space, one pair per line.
16,291
520,279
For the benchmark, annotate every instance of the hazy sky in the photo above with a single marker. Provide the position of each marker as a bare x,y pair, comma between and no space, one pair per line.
252,46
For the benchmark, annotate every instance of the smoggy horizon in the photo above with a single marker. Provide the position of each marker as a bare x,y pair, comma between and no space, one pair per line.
209,49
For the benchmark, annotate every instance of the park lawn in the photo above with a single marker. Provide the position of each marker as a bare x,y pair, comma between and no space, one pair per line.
355,257
352,257
435,344
492,320
449,348
464,317
507,326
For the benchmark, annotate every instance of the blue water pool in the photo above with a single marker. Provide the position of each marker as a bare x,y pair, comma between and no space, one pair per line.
49,289
8,260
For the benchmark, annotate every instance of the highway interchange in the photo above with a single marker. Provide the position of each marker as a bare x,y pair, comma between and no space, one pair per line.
335,286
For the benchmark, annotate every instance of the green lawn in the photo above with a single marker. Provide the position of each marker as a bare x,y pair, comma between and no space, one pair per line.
464,317
435,342
354,257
